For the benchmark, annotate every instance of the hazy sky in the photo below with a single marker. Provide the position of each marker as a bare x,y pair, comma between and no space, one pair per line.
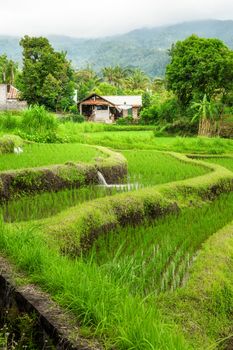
82,18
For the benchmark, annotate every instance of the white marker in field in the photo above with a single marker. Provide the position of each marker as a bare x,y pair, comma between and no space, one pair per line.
18,150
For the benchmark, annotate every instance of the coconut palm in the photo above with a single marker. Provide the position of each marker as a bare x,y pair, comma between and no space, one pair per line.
138,80
115,75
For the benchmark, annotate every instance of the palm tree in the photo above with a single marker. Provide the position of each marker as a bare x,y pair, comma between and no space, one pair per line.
115,75
138,80
207,115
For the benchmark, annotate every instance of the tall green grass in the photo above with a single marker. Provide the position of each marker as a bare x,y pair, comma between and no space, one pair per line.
156,257
35,155
142,139
152,167
225,162
50,203
103,308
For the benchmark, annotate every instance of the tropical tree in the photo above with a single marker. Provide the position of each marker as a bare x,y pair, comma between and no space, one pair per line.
115,75
138,80
47,76
199,67
8,70
86,81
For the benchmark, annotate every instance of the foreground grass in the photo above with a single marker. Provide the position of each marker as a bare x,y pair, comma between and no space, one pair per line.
151,167
105,309
35,155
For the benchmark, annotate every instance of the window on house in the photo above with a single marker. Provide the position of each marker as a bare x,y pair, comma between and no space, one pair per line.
101,108
130,112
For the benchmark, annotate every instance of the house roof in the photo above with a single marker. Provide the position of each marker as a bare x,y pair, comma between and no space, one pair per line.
118,101
135,101
12,93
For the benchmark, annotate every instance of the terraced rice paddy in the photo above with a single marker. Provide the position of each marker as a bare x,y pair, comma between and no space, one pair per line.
156,257
225,162
36,155
152,167
116,289
146,168
48,204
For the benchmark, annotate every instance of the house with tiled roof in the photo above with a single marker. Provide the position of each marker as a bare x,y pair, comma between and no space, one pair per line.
109,108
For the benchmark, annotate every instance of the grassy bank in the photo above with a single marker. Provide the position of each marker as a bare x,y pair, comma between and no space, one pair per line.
143,139
156,257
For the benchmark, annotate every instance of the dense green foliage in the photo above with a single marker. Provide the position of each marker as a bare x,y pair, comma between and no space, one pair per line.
47,75
100,305
8,70
198,67
36,120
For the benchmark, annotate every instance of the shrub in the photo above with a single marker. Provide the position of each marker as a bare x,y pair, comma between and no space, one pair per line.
125,121
149,115
6,145
37,120
170,110
8,121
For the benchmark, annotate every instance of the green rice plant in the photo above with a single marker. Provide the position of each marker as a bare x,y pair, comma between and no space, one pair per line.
223,161
133,138
152,167
156,257
118,319
36,155
50,203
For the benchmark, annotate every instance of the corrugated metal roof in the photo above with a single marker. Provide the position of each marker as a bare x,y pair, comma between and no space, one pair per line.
124,100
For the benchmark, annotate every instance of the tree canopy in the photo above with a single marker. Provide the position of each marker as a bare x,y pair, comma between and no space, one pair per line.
199,67
47,76
8,69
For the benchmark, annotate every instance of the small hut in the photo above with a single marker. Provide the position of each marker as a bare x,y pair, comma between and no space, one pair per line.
109,108
10,98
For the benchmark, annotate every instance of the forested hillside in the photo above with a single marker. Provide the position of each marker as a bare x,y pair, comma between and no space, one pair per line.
144,48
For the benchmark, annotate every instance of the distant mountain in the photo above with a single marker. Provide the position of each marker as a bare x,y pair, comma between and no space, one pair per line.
145,48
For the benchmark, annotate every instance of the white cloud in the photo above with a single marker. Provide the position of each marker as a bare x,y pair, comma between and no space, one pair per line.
103,17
